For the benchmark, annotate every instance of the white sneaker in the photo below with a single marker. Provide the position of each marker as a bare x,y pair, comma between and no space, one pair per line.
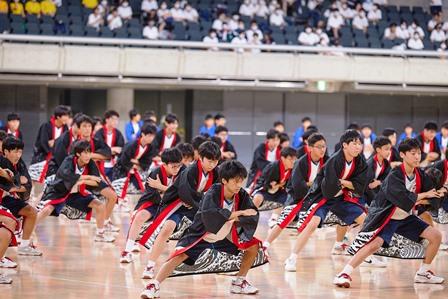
427,277
290,265
443,247
126,257
339,249
136,247
109,227
373,262
152,290
242,286
5,279
148,273
6,262
104,238
28,250
342,280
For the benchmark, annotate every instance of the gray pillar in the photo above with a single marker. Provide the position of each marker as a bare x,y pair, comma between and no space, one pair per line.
121,100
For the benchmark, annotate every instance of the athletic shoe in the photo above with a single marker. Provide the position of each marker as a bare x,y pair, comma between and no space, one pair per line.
290,264
427,277
148,273
28,250
339,249
126,257
109,227
342,280
136,247
5,279
242,286
104,238
152,290
443,246
6,262
373,262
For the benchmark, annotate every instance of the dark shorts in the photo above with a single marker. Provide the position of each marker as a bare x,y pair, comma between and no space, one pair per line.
411,228
14,205
109,172
180,213
97,190
280,196
76,201
222,245
346,211
151,209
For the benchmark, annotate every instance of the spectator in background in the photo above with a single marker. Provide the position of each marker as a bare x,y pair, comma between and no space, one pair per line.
360,21
148,5
95,19
233,22
297,139
151,31
442,139
132,128
324,40
48,8
217,23
308,37
436,19
407,133
226,34
247,9
90,4
391,33
415,43
125,11
212,39
253,30
220,120
375,15
208,128
104,8
403,31
335,22
416,28
368,137
177,12
346,12
367,5
4,7
262,10
164,13
442,47
256,42
191,14
240,39
438,35
114,20
435,6
17,8
277,19
32,7
279,126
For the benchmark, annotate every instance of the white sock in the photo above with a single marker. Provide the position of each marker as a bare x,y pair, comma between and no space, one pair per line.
424,267
347,270
293,256
100,231
150,263
24,243
338,243
266,244
129,245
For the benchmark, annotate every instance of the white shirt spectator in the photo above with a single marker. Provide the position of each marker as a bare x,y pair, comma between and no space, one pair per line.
103,7
239,40
360,21
273,6
277,19
151,32
247,9
432,24
177,12
367,5
211,38
114,21
414,28
256,41
403,32
415,43
95,20
125,11
322,35
233,23
250,33
308,38
375,15
437,35
262,10
436,3
445,26
346,12
380,2
391,33
148,5
312,4
191,14
335,21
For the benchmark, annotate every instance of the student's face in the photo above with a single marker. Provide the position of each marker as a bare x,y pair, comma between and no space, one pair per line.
384,151
444,132
148,138
85,130
318,149
172,127
233,185
65,119
285,144
208,122
273,143
280,128
14,124
187,160
223,136
137,118
408,130
366,132
353,148
173,168
412,158
393,139
112,121
306,124
84,157
429,134
13,155
208,165
221,122
288,161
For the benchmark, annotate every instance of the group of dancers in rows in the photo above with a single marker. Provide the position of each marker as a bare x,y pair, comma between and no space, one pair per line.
194,193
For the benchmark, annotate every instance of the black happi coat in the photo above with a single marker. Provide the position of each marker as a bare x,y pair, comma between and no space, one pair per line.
41,147
117,137
372,165
273,172
259,162
160,139
434,146
228,147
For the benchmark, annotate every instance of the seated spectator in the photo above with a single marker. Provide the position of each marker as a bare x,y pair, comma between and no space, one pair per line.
48,8
360,21
255,41
277,19
32,7
368,5
323,43
402,31
375,15
273,6
125,11
262,9
240,39
247,9
104,8
442,47
114,20
191,14
211,38
233,22
164,13
226,35
217,23
436,19
151,31
148,5
322,35
415,43
4,7
268,39
95,19
335,22
177,12
346,12
391,33
165,33
438,35
90,4
308,37
253,29
416,28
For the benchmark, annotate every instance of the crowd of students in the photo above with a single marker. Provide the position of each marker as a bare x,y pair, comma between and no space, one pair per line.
389,194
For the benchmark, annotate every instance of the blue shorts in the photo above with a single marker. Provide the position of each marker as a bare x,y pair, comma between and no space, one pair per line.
222,245
180,213
76,201
151,210
411,228
280,196
346,211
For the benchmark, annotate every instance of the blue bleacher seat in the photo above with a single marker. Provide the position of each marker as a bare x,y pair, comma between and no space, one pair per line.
33,29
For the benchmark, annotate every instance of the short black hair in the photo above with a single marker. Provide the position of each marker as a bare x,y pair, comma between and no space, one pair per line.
444,125
198,140
430,125
220,129
171,118
109,113
314,138
186,150
408,145
216,140
84,119
11,143
80,146
306,118
210,150
61,110
76,116
349,136
97,119
283,137
219,116
148,114
12,116
380,142
368,126
3,135
278,123
288,152
408,125
133,113
148,128
208,116
353,126
232,169
389,132
171,155
308,133
436,177
272,133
